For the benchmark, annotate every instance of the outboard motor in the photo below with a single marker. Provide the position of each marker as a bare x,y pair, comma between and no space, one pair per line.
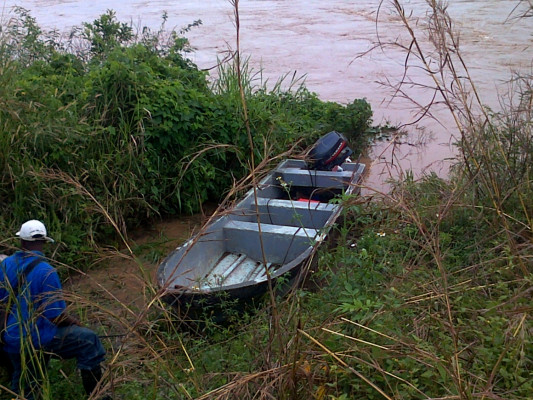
330,151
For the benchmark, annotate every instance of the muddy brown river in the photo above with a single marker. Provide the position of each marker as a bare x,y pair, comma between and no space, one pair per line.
323,39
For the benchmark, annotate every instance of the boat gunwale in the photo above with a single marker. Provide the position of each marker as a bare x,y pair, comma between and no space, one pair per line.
165,283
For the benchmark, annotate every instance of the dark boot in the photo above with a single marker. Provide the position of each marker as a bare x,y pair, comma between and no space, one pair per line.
90,379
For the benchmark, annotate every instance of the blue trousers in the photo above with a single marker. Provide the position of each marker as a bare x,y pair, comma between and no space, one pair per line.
69,342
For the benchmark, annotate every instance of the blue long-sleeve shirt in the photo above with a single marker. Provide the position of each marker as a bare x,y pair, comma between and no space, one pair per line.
39,301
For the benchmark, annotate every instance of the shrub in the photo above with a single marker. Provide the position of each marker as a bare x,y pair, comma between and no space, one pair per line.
114,133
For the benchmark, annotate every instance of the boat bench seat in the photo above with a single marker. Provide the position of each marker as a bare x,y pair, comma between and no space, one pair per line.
314,178
294,213
280,243
263,202
270,229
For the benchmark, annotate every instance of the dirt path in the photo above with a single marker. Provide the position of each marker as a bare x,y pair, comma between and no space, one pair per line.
122,282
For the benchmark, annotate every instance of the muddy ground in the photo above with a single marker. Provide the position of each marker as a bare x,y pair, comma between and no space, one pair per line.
121,281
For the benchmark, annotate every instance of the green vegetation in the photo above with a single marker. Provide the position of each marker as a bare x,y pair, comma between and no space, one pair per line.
111,129
425,294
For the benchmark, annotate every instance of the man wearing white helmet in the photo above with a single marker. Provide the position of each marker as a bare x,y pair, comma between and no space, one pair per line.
37,318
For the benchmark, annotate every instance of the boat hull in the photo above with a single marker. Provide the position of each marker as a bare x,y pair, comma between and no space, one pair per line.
267,238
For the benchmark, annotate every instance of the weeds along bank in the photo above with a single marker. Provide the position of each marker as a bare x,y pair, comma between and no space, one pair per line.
427,294
110,128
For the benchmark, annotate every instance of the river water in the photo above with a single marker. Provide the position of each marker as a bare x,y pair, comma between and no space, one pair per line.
322,40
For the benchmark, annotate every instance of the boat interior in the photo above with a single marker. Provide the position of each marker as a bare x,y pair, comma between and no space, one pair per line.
265,231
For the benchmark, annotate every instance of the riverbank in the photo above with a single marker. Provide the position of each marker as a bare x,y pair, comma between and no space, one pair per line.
324,42
426,295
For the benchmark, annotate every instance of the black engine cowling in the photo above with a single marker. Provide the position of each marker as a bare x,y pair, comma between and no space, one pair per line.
329,151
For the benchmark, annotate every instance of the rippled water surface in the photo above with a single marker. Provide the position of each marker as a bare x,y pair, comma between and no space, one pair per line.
322,39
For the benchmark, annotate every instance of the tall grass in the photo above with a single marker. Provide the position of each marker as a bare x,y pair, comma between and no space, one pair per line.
435,300
426,294
428,291
95,130
98,128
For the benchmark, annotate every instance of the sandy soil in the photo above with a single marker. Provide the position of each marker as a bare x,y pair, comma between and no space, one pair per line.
125,280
